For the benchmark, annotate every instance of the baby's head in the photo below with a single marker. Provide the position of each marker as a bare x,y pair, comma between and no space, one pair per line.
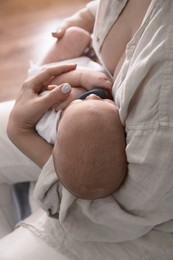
89,153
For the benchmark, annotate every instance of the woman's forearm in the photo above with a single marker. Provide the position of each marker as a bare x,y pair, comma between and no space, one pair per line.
31,144
29,108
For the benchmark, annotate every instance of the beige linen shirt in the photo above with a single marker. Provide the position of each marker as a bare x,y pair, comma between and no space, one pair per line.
136,222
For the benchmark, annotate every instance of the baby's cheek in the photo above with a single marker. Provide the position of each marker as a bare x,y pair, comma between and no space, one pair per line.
76,93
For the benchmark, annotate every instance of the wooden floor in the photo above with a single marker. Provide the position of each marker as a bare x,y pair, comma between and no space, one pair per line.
25,34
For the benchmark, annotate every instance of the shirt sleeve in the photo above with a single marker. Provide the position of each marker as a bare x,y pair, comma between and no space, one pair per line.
144,201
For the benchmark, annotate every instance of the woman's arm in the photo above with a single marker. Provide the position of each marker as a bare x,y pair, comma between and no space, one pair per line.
29,108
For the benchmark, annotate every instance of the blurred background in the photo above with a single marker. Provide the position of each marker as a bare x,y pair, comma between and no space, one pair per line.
25,34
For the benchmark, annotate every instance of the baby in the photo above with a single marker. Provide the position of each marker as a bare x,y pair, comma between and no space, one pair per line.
88,138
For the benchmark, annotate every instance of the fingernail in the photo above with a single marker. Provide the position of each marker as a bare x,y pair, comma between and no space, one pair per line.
54,34
66,88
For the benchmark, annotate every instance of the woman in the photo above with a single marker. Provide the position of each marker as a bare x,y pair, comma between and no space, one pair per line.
135,222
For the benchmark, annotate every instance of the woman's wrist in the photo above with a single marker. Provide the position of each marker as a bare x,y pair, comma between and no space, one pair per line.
30,143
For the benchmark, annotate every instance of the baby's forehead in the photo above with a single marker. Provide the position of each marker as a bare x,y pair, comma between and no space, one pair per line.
88,110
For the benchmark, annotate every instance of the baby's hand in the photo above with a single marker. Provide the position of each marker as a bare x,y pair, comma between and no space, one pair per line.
90,79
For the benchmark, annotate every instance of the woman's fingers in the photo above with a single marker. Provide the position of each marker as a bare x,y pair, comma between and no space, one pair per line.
30,108
37,82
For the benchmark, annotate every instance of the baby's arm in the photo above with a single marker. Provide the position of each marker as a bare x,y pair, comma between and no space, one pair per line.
83,18
71,45
87,78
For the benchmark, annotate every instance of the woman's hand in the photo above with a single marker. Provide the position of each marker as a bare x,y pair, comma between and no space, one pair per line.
30,107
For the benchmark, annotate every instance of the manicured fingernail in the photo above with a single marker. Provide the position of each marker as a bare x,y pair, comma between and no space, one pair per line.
66,88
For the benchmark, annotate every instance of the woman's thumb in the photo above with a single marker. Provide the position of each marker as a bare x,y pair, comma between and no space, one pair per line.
56,94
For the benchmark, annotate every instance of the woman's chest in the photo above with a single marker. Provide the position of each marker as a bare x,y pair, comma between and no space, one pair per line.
113,50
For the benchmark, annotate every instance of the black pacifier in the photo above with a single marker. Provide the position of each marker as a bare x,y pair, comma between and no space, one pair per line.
96,91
